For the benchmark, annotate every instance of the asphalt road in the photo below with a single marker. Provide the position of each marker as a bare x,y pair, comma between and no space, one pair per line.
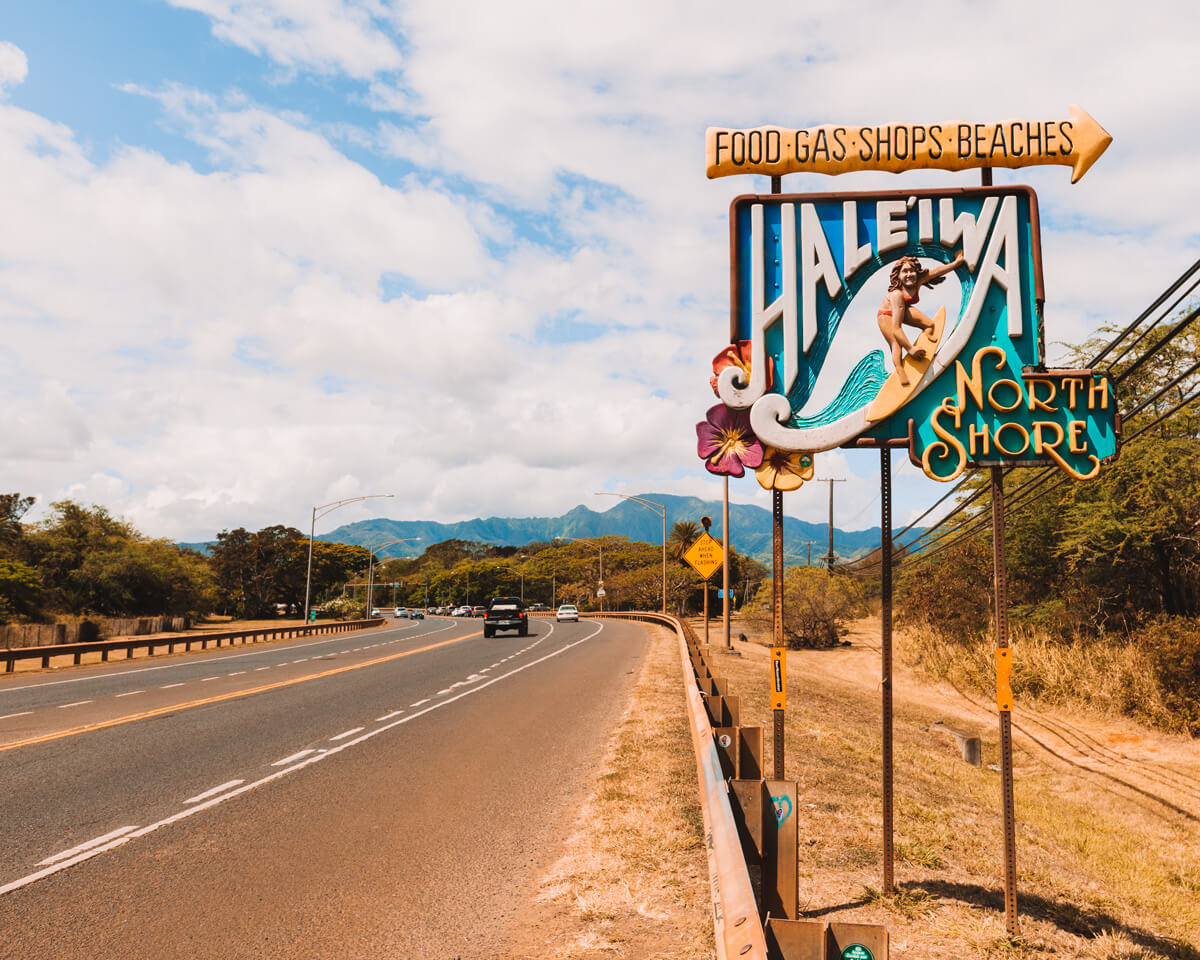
388,793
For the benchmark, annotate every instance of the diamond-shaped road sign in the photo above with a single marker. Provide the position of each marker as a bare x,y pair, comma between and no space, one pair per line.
705,556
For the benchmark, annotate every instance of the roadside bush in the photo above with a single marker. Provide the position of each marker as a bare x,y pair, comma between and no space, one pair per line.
816,604
20,592
1172,645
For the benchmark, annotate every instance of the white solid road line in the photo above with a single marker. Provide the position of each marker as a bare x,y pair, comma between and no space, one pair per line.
348,733
23,713
293,757
215,790
67,854
77,703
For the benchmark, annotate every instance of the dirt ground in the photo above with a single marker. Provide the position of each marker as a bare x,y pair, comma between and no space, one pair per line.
1108,822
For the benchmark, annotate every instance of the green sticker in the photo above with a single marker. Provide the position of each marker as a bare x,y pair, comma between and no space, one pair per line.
856,951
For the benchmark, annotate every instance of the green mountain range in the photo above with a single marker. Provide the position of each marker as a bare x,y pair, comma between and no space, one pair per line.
751,528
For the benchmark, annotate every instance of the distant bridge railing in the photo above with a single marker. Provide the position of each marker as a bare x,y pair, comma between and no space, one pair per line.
152,645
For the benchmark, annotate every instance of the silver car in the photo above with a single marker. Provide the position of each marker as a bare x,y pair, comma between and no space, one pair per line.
568,611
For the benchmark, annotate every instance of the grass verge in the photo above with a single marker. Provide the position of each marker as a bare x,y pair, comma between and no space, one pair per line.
632,881
1108,829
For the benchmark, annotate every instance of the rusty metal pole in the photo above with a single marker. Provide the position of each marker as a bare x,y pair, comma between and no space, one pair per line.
885,551
725,566
706,613
777,582
1004,702
777,607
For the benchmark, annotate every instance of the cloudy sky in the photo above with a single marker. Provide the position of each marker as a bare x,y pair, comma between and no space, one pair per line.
257,255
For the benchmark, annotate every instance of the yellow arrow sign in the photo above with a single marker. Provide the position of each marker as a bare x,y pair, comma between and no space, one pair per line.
1076,142
705,556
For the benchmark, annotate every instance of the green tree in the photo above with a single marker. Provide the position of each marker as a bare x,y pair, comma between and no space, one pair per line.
92,562
683,534
816,603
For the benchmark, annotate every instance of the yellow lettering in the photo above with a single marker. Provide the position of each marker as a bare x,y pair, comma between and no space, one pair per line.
1073,386
1034,402
974,383
1041,444
973,435
995,404
1098,388
1011,426
1074,429
948,441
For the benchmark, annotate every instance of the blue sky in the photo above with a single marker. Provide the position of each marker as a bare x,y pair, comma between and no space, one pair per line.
263,254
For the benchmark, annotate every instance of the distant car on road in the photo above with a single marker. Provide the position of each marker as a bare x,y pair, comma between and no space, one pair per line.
401,613
375,612
568,611
461,612
417,613
478,611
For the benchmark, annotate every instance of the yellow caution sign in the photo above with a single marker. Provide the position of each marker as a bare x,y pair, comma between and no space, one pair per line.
778,678
1004,697
1076,142
705,556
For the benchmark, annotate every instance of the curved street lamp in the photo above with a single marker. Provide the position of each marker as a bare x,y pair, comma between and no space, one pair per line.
371,565
320,512
600,585
661,510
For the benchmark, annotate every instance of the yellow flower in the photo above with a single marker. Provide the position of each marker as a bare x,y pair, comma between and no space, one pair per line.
784,470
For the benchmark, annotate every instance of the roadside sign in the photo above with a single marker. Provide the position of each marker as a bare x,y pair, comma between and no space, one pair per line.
705,555
778,678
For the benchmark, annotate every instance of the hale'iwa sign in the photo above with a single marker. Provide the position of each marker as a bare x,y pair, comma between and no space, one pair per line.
811,272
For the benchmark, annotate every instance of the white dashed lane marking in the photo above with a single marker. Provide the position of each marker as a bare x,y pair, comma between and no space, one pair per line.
77,703
348,733
120,831
214,791
293,757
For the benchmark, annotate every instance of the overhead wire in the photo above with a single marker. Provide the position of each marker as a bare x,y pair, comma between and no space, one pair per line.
1026,489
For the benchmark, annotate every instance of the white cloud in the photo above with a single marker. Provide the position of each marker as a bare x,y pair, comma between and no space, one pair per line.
292,327
327,36
14,66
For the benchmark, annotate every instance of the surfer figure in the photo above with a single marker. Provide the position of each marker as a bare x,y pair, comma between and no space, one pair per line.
899,306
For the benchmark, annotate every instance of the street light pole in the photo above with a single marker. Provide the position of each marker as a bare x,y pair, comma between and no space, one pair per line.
371,566
661,510
600,585
318,512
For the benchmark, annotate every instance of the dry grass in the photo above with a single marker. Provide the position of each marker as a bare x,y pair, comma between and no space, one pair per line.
633,880
1114,675
1108,817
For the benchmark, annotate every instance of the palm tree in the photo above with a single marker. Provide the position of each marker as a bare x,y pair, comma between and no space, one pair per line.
683,534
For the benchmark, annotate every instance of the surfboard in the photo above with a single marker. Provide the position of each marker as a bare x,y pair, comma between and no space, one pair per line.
893,394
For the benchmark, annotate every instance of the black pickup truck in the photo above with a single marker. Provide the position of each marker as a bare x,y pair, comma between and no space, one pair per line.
505,613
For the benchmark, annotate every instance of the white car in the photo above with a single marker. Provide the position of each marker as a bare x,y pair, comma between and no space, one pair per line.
568,611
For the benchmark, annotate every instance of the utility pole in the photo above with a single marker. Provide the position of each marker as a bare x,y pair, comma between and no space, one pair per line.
829,558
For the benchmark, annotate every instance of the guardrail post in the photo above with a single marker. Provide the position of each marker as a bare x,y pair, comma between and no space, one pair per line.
750,753
748,813
780,862
843,937
797,940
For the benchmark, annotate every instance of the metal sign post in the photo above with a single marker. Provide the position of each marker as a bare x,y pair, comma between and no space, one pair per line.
705,556
885,499
778,702
777,610
1004,702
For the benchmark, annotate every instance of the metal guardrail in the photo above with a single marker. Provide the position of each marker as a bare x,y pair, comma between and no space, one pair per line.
736,928
10,655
